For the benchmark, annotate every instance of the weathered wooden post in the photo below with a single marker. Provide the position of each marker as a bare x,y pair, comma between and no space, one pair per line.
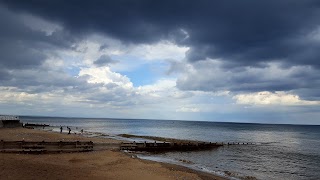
2,144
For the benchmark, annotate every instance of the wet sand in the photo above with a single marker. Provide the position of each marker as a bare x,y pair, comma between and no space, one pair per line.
105,164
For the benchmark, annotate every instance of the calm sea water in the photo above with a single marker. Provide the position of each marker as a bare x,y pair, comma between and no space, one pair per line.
281,151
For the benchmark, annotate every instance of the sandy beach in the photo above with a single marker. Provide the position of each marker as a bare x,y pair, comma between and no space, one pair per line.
103,164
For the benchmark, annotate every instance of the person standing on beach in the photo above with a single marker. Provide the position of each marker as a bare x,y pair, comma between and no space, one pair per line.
69,130
61,129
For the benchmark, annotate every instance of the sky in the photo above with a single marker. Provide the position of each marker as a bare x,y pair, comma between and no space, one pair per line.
203,60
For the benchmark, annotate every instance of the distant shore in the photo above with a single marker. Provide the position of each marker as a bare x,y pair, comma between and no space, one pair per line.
105,164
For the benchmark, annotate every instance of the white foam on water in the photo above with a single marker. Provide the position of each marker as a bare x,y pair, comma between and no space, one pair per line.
196,167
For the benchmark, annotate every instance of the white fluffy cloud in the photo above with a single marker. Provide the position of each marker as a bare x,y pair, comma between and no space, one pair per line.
162,50
106,76
270,98
8,95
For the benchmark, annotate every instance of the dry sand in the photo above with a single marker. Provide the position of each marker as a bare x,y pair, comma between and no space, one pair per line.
105,164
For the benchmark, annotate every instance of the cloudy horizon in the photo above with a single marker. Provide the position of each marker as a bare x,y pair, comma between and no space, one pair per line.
227,61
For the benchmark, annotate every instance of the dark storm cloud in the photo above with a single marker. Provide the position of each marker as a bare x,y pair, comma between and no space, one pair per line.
104,60
23,47
43,80
16,39
4,74
210,76
23,51
309,94
246,32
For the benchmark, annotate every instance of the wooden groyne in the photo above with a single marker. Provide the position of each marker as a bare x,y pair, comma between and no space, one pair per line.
168,146
77,146
44,147
35,125
175,146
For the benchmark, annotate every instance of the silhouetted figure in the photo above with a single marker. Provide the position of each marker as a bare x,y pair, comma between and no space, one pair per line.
69,130
61,129
81,131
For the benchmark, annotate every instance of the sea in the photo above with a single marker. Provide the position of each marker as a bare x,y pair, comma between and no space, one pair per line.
279,151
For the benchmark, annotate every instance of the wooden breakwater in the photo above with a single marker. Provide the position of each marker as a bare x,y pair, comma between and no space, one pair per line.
175,146
168,146
44,147
35,125
77,146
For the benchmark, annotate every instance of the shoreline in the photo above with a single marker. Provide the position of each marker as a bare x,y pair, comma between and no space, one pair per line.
179,163
171,170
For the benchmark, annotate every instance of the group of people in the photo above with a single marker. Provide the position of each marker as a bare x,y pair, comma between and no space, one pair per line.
69,129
